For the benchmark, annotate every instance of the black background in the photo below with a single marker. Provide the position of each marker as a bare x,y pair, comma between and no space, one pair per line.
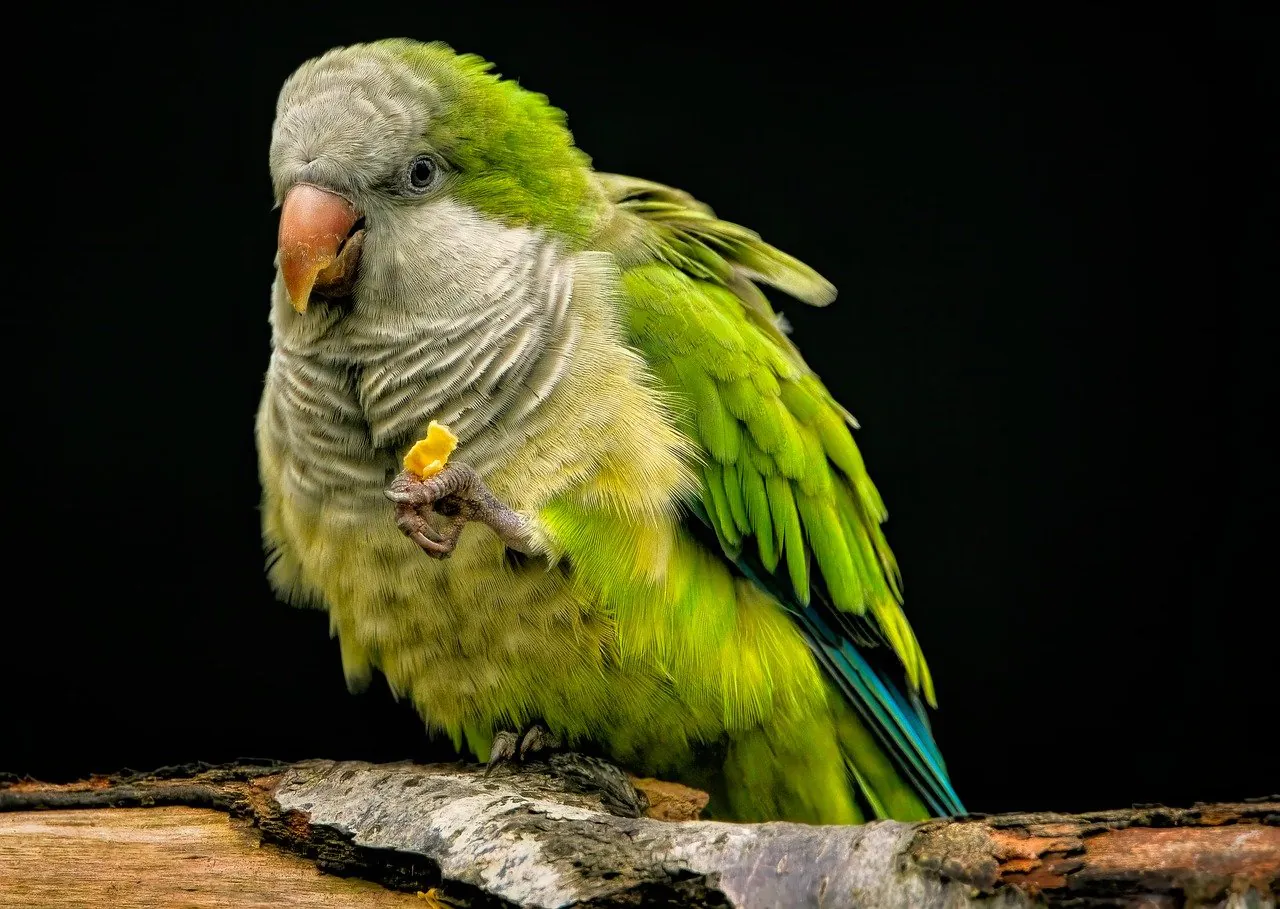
1054,250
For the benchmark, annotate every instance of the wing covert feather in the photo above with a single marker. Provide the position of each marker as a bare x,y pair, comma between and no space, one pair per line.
782,474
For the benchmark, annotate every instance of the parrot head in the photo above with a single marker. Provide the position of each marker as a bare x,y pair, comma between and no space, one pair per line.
383,149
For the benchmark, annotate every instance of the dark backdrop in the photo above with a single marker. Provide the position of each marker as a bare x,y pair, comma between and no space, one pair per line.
1053,249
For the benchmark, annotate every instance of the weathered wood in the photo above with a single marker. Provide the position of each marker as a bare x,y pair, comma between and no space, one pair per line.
572,833
146,858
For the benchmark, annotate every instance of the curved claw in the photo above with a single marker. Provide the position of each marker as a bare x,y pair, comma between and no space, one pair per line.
407,489
457,495
419,529
537,739
510,747
448,539
503,749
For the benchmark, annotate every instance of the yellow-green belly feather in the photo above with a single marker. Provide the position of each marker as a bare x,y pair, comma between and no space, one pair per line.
627,632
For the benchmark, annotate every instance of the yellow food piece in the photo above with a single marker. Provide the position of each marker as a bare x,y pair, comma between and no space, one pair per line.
428,456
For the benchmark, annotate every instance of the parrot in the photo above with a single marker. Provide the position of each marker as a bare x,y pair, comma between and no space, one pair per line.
656,537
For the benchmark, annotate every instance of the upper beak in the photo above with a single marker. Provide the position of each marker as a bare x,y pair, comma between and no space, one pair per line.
314,223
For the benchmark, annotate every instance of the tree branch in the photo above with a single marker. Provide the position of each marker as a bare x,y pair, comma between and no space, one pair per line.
573,832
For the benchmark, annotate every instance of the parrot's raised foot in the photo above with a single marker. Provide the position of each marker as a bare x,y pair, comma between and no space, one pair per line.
432,512
509,746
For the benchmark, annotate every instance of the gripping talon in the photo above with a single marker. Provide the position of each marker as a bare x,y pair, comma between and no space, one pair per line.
511,746
413,524
502,750
457,495
431,547
419,529
537,739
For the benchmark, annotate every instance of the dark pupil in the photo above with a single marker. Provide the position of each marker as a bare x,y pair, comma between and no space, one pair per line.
422,169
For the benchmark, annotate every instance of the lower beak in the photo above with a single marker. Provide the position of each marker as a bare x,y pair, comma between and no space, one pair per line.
318,247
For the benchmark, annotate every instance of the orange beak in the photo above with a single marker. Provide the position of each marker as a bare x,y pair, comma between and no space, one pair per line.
315,225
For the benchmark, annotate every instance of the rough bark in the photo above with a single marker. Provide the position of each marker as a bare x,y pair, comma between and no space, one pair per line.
574,832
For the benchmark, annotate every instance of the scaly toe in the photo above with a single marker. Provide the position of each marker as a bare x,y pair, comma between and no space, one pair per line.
536,740
502,750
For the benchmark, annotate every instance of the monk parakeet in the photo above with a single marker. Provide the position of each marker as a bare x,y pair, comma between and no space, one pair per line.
656,536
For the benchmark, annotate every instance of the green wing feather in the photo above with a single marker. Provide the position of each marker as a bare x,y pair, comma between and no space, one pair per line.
782,473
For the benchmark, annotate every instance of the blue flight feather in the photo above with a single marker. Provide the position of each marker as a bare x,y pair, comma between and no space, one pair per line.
900,726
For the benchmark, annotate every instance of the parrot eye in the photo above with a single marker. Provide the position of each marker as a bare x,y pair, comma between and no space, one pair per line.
422,172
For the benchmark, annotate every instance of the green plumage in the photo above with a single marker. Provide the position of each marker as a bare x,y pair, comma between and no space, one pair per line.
709,574
781,469
512,151
771,430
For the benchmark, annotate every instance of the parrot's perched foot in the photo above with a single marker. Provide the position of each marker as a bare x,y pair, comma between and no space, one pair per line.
509,746
537,739
457,495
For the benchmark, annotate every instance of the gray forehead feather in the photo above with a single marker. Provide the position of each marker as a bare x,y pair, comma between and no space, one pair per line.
345,117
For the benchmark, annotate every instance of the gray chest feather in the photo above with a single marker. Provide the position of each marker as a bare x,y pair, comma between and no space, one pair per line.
350,386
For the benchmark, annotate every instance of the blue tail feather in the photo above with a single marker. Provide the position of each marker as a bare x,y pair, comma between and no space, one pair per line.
896,722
